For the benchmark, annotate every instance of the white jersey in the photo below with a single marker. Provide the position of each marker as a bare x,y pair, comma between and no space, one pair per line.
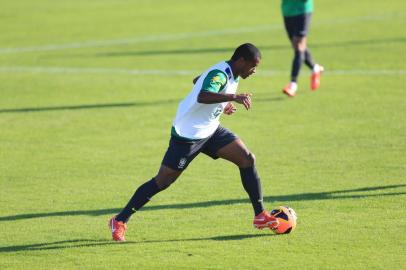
197,120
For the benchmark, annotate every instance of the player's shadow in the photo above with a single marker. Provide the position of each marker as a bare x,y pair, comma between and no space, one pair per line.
111,105
329,195
80,243
179,51
90,106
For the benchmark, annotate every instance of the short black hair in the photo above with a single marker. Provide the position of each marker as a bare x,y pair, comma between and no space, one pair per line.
247,51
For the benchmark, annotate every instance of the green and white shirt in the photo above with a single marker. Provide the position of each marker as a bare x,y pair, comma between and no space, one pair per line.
197,120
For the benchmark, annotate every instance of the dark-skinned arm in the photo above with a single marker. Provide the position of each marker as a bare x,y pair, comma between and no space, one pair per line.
207,97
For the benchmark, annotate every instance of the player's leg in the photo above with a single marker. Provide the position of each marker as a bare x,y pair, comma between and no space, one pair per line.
299,44
165,177
226,145
238,153
291,27
305,26
308,58
315,68
302,53
297,28
176,159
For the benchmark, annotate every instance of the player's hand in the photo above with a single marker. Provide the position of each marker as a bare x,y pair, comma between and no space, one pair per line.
244,99
229,109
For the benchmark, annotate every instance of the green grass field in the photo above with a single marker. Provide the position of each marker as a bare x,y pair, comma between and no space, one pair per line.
88,91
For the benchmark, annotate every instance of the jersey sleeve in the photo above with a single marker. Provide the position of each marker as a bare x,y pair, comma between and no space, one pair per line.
215,81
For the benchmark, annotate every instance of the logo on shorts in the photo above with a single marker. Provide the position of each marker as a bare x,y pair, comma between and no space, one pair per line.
182,163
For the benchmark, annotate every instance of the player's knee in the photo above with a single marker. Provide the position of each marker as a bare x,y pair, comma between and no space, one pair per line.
252,159
164,183
166,177
299,43
249,160
300,54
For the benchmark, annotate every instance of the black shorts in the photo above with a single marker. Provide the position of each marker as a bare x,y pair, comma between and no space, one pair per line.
180,153
297,26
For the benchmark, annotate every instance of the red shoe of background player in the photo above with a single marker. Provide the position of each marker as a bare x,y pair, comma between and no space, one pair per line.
290,89
315,77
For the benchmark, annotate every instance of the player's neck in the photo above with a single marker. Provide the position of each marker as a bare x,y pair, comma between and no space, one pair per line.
234,68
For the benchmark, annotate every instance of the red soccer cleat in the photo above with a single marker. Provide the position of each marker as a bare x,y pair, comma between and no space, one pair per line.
315,77
265,220
290,89
118,229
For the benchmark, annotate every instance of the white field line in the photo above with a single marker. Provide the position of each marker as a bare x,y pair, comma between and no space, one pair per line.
136,40
111,71
161,72
183,36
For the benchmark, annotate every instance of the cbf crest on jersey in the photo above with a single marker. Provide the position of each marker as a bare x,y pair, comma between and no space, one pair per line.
216,79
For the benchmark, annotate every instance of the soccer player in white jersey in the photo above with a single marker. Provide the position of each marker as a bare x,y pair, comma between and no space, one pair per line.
196,129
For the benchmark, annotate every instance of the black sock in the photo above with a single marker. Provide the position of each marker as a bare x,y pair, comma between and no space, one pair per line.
141,196
252,185
308,59
296,65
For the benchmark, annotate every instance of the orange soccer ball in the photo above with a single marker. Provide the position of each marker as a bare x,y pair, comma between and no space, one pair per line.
287,219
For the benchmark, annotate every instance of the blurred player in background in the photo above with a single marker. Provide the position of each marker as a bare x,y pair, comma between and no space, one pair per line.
297,16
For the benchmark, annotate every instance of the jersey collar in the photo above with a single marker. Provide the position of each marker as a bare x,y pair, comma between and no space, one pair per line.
229,72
